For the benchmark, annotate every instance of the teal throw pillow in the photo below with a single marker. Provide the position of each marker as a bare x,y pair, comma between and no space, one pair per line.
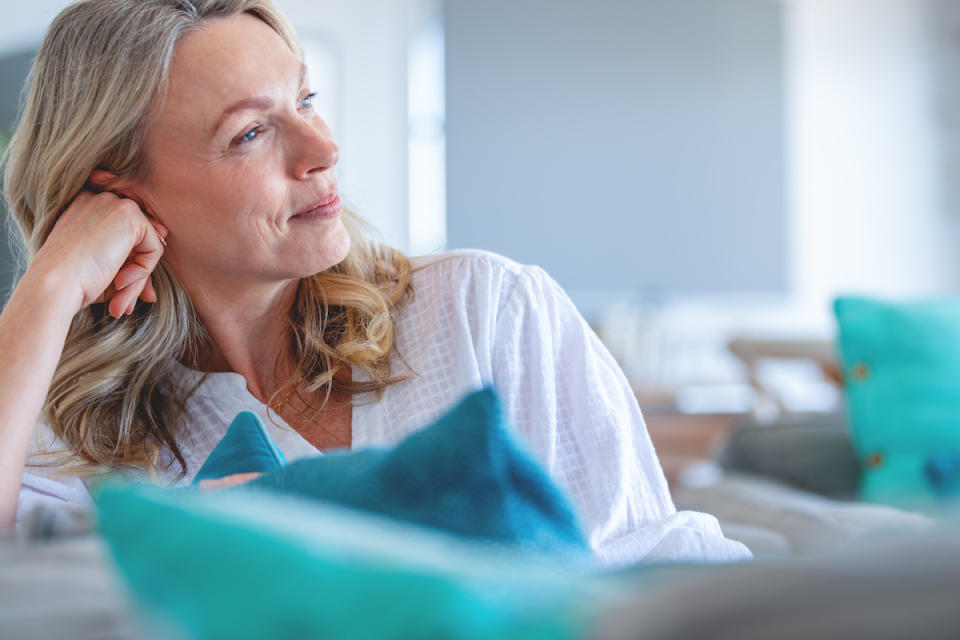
901,364
258,564
463,474
245,448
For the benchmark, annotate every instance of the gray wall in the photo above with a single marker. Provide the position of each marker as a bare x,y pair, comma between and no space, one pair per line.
13,72
624,145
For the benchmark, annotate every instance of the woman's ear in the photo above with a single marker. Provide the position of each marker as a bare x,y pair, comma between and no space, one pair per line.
103,180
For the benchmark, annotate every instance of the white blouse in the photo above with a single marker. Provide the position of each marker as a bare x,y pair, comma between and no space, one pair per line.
478,319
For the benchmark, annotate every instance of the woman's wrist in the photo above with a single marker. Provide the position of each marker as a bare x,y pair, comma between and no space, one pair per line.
45,290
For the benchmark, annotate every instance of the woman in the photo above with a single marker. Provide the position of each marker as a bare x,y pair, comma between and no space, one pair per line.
190,258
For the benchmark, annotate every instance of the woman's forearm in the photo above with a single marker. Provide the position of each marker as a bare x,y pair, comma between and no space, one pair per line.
102,248
33,329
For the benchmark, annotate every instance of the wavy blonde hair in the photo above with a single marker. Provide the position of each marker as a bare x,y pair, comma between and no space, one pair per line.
99,74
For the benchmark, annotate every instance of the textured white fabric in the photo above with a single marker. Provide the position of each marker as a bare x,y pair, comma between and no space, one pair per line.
478,319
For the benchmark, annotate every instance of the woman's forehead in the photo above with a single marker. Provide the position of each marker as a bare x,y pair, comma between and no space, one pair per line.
227,60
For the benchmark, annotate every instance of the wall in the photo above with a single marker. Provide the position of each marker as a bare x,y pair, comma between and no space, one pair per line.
873,148
22,27
624,146
372,37
13,68
24,23
871,104
869,207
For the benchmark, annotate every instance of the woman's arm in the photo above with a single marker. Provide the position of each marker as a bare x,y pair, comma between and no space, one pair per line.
102,248
568,397
33,327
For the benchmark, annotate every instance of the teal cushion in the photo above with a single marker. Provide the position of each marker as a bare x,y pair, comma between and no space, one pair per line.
257,564
463,474
245,448
901,364
942,469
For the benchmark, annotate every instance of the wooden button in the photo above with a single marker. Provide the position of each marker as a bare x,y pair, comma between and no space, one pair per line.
874,460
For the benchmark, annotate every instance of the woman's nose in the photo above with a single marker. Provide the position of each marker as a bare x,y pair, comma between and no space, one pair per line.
315,149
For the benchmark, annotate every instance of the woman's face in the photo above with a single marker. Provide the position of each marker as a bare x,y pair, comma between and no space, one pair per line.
239,166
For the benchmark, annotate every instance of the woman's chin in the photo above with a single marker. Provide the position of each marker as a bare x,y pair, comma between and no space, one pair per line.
333,252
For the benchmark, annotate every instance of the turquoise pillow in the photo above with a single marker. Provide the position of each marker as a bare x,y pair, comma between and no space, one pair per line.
245,448
463,474
256,564
901,364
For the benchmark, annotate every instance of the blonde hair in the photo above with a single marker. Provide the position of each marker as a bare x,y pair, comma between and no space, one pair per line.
98,75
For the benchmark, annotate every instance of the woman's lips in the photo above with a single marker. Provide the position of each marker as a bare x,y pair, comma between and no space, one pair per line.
322,210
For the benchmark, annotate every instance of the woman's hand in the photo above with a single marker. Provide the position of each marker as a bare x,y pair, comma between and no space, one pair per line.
215,484
103,248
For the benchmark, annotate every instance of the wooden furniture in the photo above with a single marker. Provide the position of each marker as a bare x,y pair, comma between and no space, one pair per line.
681,440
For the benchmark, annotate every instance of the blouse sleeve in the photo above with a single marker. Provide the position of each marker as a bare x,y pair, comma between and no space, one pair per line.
37,489
44,484
570,401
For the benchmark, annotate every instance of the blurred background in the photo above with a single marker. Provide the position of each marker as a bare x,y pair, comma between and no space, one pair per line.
703,177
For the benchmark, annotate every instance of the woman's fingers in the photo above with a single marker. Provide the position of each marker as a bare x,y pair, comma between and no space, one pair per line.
130,273
128,283
214,484
133,281
116,307
148,294
107,294
124,301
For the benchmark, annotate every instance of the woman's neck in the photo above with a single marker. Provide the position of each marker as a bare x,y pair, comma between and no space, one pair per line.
249,331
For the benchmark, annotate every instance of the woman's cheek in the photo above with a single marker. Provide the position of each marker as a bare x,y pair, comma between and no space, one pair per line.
258,180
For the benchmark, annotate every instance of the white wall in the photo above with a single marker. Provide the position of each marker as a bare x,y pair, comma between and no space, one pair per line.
873,121
373,38
24,23
868,184
629,148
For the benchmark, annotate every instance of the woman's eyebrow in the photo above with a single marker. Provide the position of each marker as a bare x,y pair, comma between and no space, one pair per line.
256,102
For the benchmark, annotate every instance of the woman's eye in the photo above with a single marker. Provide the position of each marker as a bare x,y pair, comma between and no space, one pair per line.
250,135
307,101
